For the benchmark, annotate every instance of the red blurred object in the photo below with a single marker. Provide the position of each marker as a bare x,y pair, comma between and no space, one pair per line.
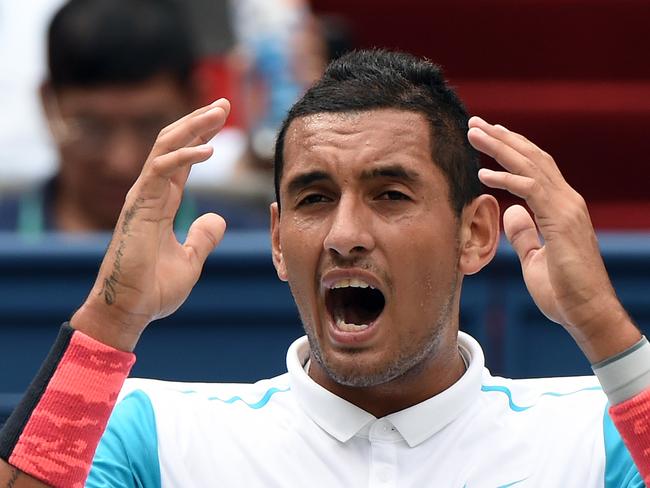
570,75
218,77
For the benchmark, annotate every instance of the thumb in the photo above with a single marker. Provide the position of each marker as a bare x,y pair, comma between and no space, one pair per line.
204,235
521,232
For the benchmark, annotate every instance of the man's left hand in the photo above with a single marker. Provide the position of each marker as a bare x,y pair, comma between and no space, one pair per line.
565,274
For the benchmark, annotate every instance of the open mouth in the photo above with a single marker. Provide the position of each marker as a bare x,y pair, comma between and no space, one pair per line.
353,304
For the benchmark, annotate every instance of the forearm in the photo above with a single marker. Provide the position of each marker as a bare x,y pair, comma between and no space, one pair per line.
11,477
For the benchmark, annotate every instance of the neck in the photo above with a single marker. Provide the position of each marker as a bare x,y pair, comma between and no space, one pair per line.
69,216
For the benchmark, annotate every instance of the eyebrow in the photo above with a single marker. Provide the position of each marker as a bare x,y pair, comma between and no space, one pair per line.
395,171
305,179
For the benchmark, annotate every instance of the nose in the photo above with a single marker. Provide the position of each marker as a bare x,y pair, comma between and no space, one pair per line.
350,232
125,155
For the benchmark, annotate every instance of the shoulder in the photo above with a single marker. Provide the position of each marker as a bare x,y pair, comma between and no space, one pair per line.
184,397
571,408
525,394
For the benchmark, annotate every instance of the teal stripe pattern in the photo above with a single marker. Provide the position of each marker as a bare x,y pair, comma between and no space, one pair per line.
512,484
255,406
504,486
519,408
620,471
127,455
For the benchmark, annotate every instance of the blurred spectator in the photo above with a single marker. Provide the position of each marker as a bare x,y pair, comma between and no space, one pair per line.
103,105
27,154
119,71
279,51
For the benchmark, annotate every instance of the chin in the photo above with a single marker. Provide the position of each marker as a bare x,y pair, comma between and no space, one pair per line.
359,369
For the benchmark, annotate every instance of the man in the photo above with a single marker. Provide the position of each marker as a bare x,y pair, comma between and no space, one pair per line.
119,71
379,216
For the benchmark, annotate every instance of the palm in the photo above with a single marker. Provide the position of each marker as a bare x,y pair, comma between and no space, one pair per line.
538,282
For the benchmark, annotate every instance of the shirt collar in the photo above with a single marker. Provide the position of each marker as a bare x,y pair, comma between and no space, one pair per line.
343,420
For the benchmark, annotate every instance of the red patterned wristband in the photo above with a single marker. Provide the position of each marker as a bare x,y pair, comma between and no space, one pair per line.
53,433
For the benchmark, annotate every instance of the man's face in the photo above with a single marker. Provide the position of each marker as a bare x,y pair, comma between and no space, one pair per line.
368,242
104,135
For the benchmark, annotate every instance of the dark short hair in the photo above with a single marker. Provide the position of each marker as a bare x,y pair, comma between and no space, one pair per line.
97,42
379,79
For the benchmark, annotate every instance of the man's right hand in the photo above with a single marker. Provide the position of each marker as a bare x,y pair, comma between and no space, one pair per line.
146,273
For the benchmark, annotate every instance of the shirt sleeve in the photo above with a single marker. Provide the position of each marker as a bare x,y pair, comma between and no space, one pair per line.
127,455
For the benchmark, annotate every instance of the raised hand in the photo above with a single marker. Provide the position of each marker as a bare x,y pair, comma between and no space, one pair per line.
146,273
565,273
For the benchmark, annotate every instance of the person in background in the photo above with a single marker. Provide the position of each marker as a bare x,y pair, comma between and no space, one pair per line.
119,71
279,51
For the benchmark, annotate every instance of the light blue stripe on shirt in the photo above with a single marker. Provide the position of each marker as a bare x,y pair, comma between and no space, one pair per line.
620,471
127,455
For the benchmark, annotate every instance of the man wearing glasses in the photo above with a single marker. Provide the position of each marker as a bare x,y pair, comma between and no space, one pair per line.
118,73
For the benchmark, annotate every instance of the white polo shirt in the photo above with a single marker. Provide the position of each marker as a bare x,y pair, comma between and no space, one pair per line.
482,432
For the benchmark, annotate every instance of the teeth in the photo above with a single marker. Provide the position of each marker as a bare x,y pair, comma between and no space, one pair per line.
351,283
350,327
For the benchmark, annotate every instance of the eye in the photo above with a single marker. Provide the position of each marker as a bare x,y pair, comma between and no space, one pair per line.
393,195
312,199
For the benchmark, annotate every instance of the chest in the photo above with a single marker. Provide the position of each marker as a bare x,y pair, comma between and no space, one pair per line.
486,450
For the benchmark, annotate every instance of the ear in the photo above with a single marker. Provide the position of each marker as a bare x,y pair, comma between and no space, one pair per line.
46,93
479,234
278,259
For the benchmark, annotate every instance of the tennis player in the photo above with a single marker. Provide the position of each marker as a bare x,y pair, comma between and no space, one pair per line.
379,215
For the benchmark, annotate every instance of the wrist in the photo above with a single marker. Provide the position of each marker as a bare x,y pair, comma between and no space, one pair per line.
626,374
110,327
606,334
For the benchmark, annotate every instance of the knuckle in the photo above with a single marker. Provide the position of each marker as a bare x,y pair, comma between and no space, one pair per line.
498,153
157,165
537,152
579,200
532,186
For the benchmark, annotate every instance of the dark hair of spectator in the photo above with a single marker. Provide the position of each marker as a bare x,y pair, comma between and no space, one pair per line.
378,79
97,42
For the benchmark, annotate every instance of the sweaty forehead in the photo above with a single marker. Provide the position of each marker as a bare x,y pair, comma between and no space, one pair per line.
374,135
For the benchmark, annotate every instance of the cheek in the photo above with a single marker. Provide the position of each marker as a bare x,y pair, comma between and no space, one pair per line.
425,271
77,171
300,253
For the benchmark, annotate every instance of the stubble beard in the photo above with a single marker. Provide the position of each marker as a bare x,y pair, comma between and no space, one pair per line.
406,363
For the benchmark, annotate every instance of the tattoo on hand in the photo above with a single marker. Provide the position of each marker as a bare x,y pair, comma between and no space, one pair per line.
109,286
15,473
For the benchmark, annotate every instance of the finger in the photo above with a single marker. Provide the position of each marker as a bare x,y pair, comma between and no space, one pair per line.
222,102
194,130
519,143
204,235
522,186
505,155
513,139
208,135
166,165
521,232
175,166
